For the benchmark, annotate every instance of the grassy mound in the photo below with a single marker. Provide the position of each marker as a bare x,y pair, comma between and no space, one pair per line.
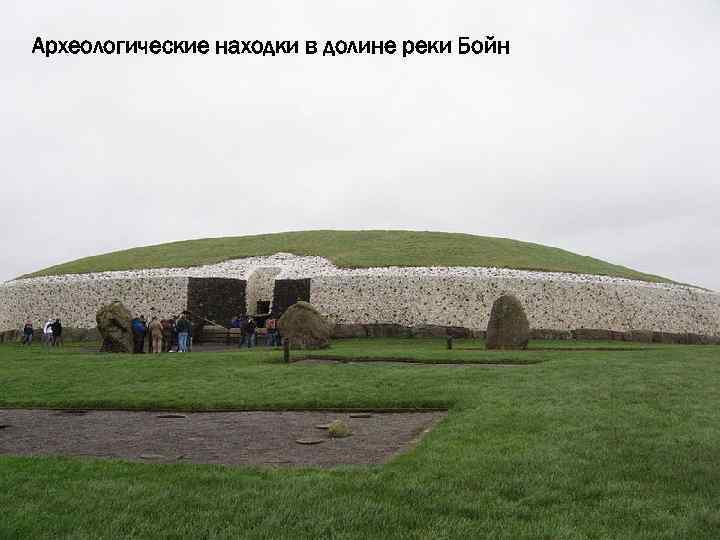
355,249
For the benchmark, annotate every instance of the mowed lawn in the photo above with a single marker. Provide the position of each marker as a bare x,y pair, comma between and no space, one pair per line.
585,444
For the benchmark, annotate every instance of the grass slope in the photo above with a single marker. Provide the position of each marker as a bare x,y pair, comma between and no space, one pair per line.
586,445
355,249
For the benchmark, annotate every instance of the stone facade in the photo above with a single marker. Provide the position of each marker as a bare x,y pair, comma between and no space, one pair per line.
215,299
384,297
560,304
77,301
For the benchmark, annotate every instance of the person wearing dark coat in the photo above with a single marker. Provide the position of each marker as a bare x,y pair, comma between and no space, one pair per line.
168,334
183,329
248,332
57,333
28,332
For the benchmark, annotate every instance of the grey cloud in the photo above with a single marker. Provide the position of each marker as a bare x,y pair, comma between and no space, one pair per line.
597,134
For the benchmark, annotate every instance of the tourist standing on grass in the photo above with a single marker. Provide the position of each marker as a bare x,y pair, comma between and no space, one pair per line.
183,329
28,332
272,333
188,347
57,333
145,334
168,334
251,326
243,326
138,332
47,333
156,335
247,331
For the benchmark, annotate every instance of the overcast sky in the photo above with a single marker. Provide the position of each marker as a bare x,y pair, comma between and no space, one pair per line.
597,134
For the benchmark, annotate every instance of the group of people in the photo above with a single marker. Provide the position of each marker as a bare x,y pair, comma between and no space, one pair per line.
52,333
248,334
163,335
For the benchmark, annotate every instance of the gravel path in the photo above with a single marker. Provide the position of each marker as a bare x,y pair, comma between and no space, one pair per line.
229,438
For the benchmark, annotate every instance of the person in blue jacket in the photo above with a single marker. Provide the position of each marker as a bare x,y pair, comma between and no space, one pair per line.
138,330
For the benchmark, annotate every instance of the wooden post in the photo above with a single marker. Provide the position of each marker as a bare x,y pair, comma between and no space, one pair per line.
449,343
286,350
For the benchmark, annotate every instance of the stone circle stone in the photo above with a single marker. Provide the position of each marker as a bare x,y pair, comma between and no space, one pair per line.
508,327
113,323
305,327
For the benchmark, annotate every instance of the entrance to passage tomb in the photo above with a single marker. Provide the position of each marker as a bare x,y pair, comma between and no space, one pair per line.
260,290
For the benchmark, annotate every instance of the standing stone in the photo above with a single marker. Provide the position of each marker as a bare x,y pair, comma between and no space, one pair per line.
113,322
305,327
508,327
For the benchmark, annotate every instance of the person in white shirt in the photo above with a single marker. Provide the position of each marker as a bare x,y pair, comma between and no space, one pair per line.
48,332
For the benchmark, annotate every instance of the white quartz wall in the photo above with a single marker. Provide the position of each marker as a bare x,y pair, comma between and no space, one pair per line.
550,304
406,296
76,302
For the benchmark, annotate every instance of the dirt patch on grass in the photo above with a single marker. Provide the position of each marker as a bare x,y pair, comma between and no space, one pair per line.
413,362
228,438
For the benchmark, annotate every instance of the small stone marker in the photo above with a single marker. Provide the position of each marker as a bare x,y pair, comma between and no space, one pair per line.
360,415
339,429
286,350
310,441
151,456
508,327
322,426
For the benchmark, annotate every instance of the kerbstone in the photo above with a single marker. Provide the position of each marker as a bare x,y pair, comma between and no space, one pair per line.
114,325
305,327
508,328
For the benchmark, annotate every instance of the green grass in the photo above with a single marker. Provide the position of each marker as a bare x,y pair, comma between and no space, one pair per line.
356,249
587,444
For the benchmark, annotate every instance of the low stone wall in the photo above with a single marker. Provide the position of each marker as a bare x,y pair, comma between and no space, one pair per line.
69,335
344,331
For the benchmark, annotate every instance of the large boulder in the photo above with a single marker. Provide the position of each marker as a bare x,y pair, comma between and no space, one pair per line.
305,327
508,327
114,325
